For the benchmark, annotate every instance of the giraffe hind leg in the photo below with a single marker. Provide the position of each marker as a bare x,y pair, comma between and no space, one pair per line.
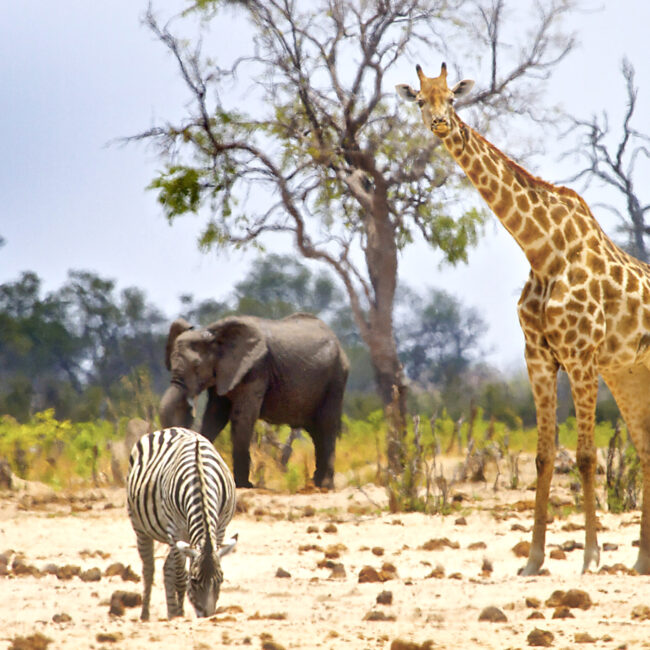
583,376
630,390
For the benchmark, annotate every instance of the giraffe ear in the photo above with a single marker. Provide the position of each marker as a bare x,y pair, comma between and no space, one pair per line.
462,88
406,92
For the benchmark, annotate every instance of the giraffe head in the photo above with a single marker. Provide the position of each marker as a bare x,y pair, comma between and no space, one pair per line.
435,99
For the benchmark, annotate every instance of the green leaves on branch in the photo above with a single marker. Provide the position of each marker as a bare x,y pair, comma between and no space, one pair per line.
454,235
179,190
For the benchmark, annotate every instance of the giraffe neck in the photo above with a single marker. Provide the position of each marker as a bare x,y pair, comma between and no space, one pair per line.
546,221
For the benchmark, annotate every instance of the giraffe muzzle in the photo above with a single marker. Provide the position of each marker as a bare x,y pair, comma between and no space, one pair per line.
440,126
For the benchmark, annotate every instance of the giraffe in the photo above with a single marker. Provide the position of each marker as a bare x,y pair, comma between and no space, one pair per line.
585,308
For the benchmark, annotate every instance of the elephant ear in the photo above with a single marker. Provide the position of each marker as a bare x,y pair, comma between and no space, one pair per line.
179,326
240,344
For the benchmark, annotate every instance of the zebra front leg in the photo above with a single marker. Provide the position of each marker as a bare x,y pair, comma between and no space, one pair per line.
145,550
175,582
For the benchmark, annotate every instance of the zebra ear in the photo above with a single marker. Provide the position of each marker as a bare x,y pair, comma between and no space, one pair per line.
187,550
224,549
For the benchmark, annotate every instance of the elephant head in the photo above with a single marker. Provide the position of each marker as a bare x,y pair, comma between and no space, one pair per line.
219,355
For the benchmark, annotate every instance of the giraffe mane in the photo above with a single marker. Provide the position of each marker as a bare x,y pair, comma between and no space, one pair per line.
531,179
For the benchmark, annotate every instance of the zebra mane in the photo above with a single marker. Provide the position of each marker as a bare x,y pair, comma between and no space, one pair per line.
209,545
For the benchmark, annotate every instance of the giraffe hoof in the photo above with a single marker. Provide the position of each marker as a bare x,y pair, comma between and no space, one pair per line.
531,569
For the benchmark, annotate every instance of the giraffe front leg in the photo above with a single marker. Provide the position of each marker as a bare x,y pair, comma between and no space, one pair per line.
542,371
642,564
584,388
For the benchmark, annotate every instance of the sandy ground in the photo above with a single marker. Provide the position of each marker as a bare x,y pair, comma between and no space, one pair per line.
321,542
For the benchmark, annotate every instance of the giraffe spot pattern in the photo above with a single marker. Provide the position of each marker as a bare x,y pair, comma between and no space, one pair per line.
530,233
558,240
522,202
540,216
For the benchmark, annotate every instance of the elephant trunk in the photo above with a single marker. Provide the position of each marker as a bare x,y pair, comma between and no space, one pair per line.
175,409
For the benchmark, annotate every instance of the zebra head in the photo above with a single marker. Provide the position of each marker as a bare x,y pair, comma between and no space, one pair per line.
205,581
206,575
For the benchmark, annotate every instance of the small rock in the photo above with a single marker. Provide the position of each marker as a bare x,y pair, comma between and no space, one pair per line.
109,637
330,528
385,598
477,546
338,571
388,572
617,568
115,569
116,607
461,521
557,554
641,613
67,572
608,546
493,615
399,644
122,599
577,598
536,614
268,643
376,615
129,575
308,511
562,612
369,574
20,568
533,602
91,575
378,551
438,544
521,549
312,529
540,638
584,637
281,573
36,641
555,599
62,618
486,567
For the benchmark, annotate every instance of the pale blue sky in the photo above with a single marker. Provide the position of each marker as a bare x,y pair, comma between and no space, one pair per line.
76,74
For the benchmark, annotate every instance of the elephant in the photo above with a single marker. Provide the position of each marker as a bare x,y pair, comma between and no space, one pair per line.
290,371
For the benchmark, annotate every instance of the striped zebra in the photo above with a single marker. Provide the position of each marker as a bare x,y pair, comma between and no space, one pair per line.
181,492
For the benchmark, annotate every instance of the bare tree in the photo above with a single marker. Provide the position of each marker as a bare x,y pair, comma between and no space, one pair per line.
317,151
616,166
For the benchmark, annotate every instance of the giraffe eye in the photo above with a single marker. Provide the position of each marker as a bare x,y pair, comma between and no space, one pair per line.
420,103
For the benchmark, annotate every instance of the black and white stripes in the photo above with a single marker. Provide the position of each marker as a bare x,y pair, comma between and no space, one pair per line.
181,492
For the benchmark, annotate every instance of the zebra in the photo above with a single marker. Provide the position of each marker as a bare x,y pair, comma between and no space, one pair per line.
181,492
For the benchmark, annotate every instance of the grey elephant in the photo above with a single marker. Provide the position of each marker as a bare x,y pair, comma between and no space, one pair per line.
291,371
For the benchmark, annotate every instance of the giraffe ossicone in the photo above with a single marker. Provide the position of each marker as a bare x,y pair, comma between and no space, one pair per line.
585,308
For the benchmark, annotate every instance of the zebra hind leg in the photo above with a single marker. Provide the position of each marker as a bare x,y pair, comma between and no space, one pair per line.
175,582
145,550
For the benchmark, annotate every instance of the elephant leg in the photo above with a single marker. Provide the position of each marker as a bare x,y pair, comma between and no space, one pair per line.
325,433
216,415
324,448
242,425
